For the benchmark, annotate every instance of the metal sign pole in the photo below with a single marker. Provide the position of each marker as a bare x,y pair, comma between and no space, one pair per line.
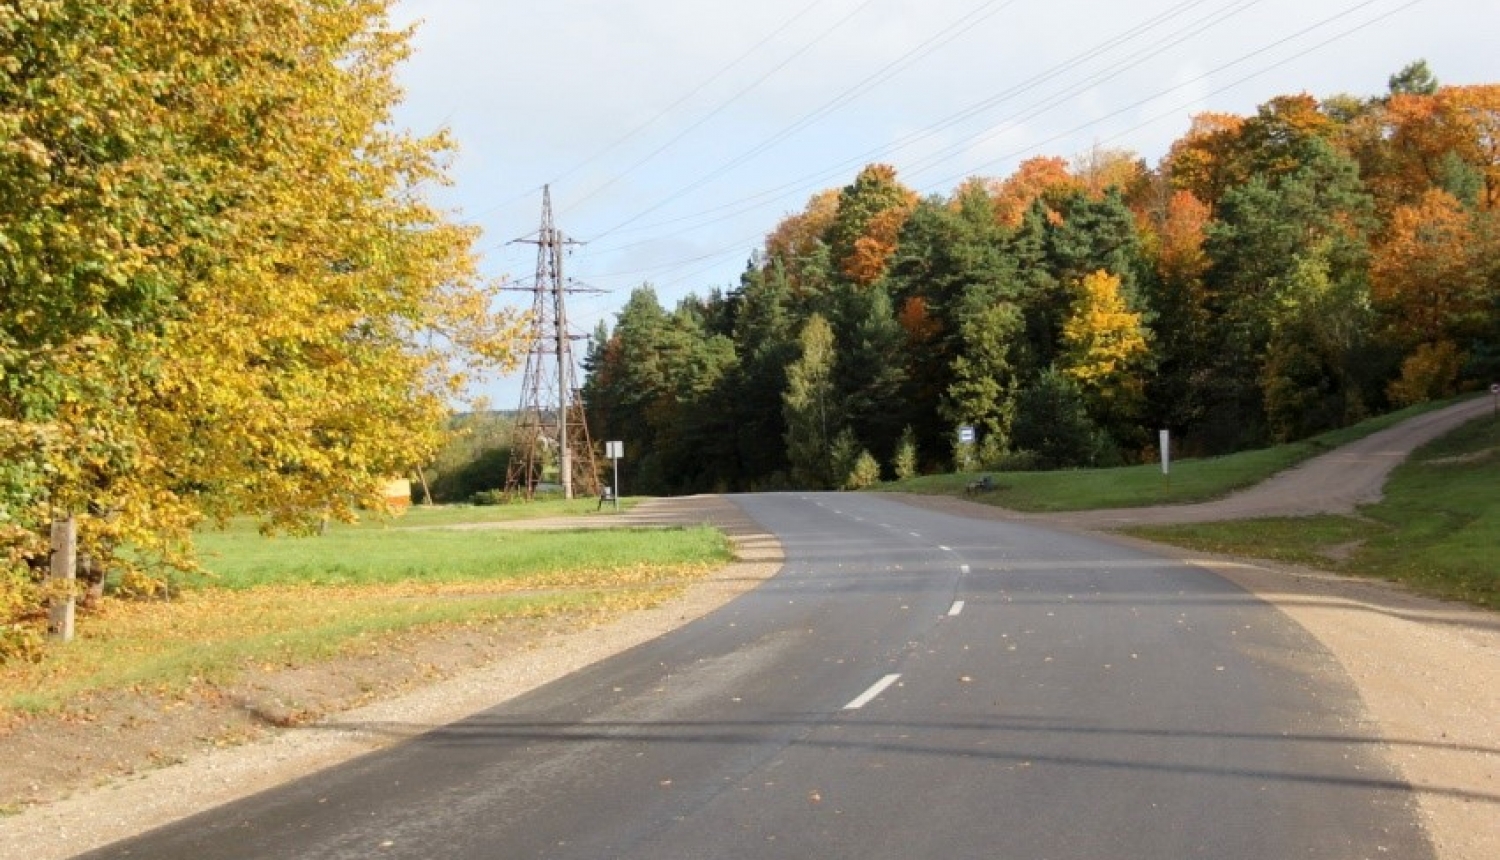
615,451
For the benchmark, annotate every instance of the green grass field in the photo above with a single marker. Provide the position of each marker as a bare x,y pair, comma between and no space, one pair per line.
241,558
283,601
1194,480
1437,530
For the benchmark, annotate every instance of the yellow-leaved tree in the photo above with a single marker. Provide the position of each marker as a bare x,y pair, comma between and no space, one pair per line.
224,290
1104,348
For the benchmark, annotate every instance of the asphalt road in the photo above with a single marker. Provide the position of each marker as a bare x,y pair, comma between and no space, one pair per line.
911,685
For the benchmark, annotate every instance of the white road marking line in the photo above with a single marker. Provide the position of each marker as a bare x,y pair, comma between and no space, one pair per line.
869,695
914,534
958,606
943,548
963,568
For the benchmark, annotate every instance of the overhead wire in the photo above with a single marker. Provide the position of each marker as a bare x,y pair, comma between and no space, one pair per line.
723,105
1216,70
869,82
931,187
953,119
1058,98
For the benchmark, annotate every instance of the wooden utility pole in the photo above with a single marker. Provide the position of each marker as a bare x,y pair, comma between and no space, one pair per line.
63,577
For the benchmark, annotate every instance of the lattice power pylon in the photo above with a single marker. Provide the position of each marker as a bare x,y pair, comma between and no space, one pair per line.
551,431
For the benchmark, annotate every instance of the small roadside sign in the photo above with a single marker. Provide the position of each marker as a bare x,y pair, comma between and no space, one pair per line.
966,434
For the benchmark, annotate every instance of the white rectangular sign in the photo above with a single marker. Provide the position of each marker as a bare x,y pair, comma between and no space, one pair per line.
614,450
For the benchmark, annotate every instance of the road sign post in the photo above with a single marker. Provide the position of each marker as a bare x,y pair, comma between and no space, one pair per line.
965,445
1165,441
1494,399
615,451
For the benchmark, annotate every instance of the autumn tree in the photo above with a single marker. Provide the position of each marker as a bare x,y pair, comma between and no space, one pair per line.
223,290
1099,169
870,213
1104,351
1173,288
797,246
1035,179
1432,281
1201,162
811,409
985,378
1269,231
1315,373
952,263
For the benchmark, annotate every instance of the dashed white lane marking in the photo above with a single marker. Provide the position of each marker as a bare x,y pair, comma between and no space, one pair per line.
957,607
963,568
914,534
943,548
869,695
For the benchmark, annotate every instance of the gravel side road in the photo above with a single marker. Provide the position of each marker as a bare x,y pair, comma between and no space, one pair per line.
1334,483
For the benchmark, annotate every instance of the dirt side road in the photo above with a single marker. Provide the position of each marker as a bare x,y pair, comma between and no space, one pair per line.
1334,483
1429,673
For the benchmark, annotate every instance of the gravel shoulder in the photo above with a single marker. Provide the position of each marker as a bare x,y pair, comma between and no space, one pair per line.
1428,673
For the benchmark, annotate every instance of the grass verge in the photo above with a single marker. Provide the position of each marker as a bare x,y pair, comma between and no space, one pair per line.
283,602
1437,530
1192,480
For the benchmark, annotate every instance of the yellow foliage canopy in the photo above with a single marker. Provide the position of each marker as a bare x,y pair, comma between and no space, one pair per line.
224,289
1103,339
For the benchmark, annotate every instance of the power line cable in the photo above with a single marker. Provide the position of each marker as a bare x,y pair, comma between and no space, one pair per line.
954,119
931,188
721,107
1231,64
1059,98
688,96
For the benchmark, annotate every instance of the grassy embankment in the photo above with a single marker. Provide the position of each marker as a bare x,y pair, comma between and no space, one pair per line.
283,601
1437,530
1194,480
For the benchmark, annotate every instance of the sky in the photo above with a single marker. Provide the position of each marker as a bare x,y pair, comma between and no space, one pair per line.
675,134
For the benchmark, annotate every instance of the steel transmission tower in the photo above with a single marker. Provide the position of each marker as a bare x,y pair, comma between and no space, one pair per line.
550,422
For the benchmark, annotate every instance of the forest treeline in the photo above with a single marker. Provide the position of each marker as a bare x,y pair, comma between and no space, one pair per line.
1273,276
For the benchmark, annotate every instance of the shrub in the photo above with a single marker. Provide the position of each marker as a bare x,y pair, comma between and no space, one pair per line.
1052,422
865,472
905,462
1429,373
21,602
